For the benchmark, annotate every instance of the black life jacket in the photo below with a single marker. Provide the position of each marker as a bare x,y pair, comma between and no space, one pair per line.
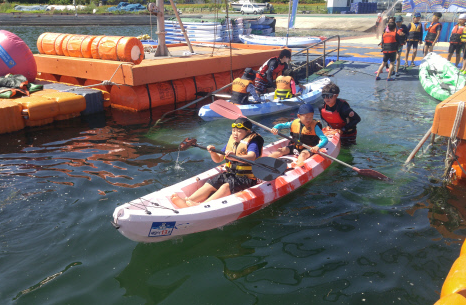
432,32
414,33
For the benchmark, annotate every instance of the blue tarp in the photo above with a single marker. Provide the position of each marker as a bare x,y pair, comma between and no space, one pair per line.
31,8
125,6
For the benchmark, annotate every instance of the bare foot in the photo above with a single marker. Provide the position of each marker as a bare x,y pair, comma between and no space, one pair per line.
178,201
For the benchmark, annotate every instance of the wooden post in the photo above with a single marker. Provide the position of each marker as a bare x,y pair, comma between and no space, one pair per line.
181,26
162,49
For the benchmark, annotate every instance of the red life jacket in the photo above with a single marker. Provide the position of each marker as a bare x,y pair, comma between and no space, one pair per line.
432,32
333,118
275,73
389,45
455,37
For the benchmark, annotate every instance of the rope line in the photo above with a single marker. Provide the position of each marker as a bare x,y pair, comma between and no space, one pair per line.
451,156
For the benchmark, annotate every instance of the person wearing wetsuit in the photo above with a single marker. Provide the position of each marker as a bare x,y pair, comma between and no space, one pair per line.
338,114
270,70
243,87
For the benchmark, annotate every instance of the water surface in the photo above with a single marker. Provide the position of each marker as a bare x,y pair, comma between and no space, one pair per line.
341,239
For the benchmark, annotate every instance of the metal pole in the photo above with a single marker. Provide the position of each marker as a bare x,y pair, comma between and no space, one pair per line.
323,63
338,51
181,26
162,49
288,25
307,65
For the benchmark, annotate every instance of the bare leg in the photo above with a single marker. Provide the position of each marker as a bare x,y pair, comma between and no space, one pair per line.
407,55
222,191
279,152
390,70
380,69
458,53
450,55
303,156
198,196
414,55
398,59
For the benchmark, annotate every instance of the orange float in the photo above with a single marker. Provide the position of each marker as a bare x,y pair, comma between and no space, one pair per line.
95,47
452,299
121,48
74,45
86,46
59,44
10,116
64,46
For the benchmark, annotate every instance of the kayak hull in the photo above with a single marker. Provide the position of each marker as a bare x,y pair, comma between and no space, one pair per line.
268,108
153,218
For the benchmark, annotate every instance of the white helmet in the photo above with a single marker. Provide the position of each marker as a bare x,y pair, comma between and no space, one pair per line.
462,16
381,14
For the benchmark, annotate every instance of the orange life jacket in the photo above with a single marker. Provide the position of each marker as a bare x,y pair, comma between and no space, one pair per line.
283,90
239,94
241,149
389,44
456,33
303,134
432,32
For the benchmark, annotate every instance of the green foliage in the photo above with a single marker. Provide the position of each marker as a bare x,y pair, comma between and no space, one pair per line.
6,7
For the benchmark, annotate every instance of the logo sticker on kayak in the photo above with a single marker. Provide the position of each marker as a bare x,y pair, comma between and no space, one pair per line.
162,228
7,59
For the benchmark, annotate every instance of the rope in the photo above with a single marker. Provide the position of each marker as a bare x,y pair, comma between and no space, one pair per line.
103,83
451,157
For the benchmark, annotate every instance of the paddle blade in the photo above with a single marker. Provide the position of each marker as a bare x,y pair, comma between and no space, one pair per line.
373,174
226,109
268,169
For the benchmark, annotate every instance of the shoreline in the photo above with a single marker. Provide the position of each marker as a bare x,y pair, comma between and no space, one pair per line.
360,23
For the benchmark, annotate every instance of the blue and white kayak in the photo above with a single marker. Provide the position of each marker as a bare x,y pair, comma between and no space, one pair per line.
310,95
293,42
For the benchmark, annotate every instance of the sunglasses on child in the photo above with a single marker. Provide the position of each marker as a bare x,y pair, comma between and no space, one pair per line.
327,95
239,125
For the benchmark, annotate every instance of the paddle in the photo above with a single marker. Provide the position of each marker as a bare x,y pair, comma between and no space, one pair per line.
231,111
264,168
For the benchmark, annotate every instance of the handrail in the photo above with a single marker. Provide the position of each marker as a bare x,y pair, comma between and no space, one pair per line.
324,53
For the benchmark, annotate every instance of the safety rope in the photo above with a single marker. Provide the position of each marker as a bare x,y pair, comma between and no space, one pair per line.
451,156
103,83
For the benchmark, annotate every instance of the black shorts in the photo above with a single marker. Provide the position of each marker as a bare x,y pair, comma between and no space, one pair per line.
413,44
295,151
428,43
455,47
348,138
389,57
237,183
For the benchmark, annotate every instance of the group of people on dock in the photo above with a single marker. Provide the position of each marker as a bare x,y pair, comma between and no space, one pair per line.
396,35
247,144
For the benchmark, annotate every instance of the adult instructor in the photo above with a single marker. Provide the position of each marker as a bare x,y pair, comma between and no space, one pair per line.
270,70
338,114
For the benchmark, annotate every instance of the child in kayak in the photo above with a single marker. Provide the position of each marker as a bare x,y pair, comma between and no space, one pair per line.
286,86
305,130
244,143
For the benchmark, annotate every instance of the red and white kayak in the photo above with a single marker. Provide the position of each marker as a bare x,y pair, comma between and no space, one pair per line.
154,218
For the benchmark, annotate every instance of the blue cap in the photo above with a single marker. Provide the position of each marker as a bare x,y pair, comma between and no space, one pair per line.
305,108
399,19
417,14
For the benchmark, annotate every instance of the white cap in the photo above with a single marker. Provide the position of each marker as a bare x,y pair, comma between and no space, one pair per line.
381,14
462,16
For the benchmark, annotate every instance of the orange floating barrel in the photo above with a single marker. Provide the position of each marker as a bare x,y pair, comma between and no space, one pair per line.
72,80
95,47
64,46
121,48
46,43
74,45
86,46
39,43
10,116
59,44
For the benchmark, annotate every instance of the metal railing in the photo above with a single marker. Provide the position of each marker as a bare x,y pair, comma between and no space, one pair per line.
325,53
